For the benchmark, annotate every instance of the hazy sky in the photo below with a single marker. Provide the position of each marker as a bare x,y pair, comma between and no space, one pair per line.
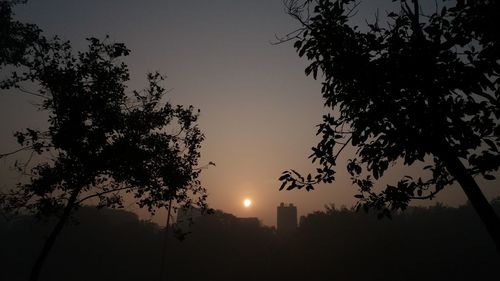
258,109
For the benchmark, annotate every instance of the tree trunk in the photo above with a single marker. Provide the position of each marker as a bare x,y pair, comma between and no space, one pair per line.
483,208
49,243
163,273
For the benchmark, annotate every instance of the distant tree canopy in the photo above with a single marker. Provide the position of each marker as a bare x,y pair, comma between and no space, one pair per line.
101,142
422,87
435,243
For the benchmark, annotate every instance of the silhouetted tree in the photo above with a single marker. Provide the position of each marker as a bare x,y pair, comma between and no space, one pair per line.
419,88
101,143
16,39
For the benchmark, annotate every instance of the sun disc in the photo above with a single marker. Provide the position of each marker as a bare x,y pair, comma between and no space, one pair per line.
247,202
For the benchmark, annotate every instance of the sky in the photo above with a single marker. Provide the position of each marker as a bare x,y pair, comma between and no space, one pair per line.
258,109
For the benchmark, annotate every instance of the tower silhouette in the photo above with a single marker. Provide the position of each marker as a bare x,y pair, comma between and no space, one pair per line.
286,218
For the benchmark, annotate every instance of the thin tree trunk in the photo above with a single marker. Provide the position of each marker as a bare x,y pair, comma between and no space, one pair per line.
163,274
483,208
49,243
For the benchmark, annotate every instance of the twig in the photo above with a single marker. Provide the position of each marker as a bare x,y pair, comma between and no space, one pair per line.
14,152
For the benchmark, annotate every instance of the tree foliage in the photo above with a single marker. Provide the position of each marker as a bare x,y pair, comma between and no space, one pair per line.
100,140
421,87
16,39
103,142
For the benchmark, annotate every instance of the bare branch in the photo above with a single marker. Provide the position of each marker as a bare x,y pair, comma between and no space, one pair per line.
15,151
98,194
429,196
31,93
342,148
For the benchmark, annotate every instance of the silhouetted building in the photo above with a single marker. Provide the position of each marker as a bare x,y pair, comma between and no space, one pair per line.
286,218
302,220
250,222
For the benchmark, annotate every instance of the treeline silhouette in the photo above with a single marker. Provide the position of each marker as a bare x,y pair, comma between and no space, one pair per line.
436,243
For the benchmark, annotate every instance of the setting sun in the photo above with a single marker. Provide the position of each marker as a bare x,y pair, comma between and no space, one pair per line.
247,203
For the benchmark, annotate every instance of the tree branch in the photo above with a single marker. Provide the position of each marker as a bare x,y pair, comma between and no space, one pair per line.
101,193
429,196
31,93
342,148
15,151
